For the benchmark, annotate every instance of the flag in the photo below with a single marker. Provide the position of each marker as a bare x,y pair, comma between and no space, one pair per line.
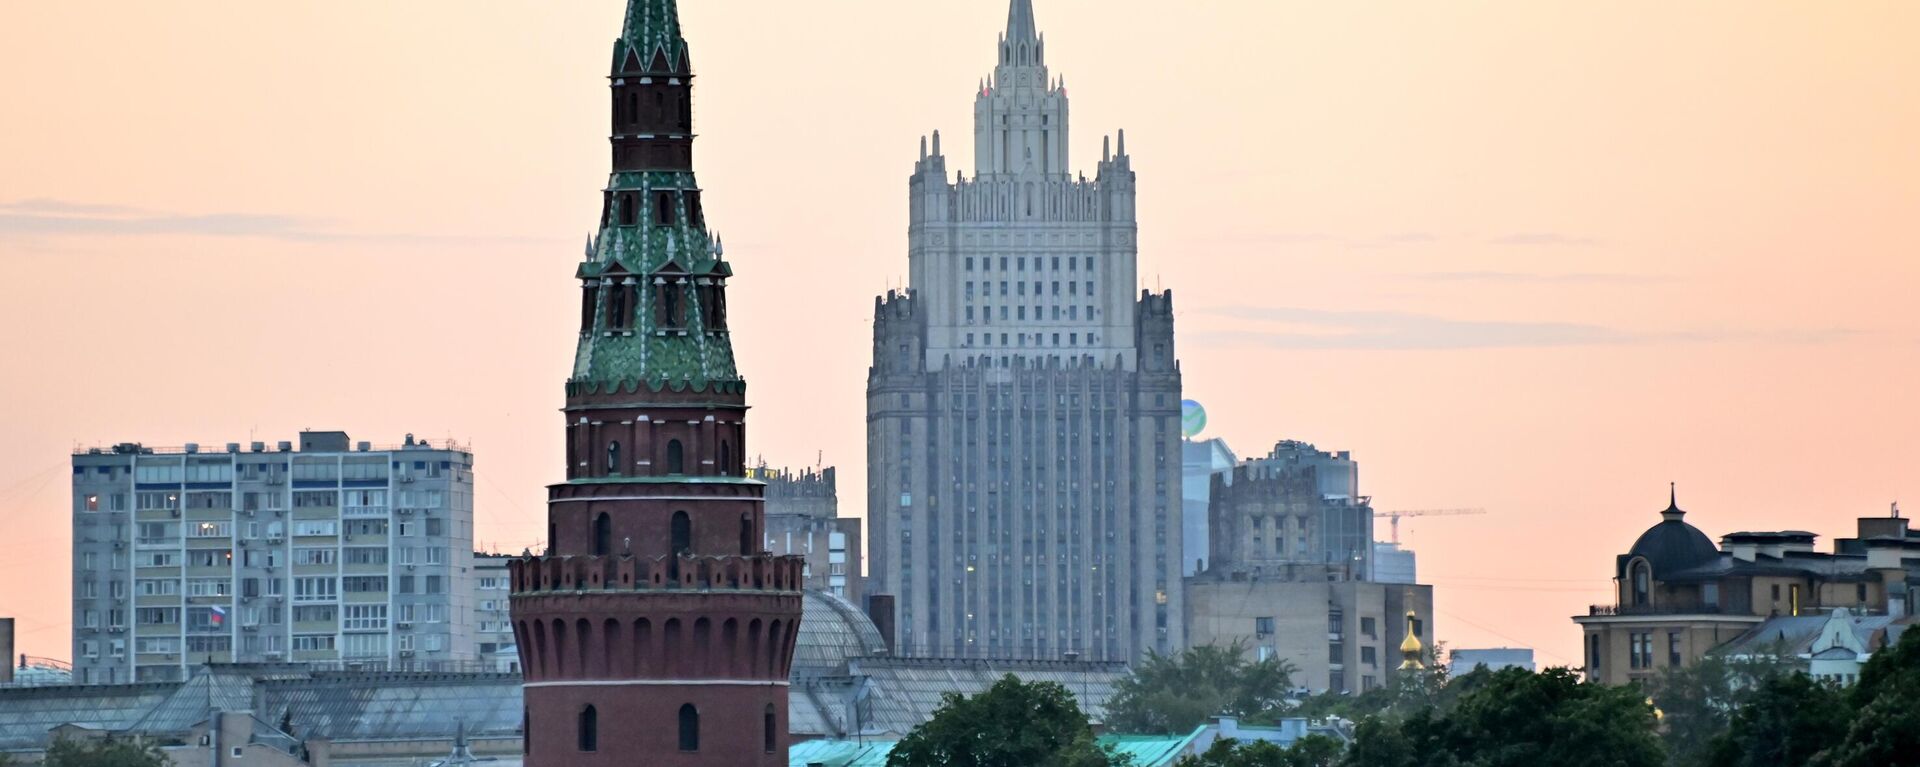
219,615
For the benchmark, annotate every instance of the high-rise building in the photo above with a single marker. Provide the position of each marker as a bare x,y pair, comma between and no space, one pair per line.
803,519
336,552
655,628
1023,407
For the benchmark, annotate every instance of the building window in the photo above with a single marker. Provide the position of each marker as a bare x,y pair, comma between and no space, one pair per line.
1673,648
1263,626
590,729
1593,654
689,728
682,533
768,720
602,535
1367,628
613,457
1642,582
1641,651
663,209
676,457
628,212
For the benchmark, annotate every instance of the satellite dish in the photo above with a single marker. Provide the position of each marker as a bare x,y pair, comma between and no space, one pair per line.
1193,418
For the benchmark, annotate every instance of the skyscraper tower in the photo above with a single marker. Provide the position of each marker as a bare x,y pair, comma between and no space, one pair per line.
1023,407
655,628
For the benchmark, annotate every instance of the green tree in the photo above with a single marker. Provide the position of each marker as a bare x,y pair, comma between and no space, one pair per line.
1697,701
1012,724
1885,728
1785,721
1176,693
1515,718
1310,751
106,752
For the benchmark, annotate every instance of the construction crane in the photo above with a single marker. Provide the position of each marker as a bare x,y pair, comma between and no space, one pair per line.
1393,517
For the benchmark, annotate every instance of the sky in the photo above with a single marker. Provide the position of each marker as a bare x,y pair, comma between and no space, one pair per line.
1541,258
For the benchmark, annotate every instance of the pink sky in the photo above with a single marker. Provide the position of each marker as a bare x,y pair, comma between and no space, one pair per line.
1538,257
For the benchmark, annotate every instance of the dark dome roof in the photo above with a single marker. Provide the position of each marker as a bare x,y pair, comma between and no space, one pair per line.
1673,545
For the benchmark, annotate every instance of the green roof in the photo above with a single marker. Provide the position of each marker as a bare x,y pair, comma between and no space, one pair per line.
1146,750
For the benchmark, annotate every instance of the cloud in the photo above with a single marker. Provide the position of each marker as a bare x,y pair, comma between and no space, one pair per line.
1296,328
1540,278
1545,239
43,218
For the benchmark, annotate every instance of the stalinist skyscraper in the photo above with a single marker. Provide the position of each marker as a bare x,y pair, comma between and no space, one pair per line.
1023,406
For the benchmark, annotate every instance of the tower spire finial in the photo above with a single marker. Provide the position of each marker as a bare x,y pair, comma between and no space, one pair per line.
1020,28
1673,503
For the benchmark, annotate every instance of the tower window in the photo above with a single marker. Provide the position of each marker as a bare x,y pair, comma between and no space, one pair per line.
633,108
767,723
693,209
590,729
746,535
689,728
602,534
681,532
662,208
628,213
613,457
676,457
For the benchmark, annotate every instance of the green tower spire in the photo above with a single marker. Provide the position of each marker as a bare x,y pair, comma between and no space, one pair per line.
654,309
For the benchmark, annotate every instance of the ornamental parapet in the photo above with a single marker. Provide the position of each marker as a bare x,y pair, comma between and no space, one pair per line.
576,573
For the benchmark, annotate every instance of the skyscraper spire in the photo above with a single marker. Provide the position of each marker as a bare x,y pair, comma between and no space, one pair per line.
1020,28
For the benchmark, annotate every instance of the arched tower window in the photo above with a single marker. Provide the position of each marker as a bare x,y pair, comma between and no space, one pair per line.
613,457
726,457
689,728
602,535
1641,575
663,208
682,533
617,312
746,534
590,729
586,306
766,728
676,457
628,212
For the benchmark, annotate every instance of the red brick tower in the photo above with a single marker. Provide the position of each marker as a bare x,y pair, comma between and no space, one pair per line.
655,630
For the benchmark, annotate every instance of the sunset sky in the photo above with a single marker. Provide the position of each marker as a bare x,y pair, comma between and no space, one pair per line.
1537,257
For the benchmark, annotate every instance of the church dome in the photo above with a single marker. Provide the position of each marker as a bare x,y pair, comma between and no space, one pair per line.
832,631
1673,545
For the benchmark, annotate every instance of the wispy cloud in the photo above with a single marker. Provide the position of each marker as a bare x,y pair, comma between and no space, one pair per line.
1297,328
44,218
1543,278
1546,239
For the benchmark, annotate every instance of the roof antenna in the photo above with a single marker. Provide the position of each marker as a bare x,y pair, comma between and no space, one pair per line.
1896,509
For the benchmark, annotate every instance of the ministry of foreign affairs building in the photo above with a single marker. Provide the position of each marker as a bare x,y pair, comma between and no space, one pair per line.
1023,445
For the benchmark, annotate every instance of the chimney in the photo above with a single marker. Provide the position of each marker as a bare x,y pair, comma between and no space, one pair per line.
880,610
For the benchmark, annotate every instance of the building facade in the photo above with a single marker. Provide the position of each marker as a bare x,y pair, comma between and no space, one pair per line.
336,552
1200,461
492,622
655,628
803,519
1290,573
1679,597
1023,407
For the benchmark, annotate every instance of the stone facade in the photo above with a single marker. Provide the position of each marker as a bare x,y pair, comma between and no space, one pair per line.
1023,405
655,628
1341,636
333,553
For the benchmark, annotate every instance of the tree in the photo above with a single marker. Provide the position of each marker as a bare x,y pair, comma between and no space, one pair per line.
1885,730
1012,724
1516,718
1697,701
1310,751
105,752
1786,720
1176,693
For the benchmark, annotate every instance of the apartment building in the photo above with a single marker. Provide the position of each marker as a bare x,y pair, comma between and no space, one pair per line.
336,552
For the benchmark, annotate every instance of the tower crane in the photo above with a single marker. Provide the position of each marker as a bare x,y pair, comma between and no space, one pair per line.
1393,517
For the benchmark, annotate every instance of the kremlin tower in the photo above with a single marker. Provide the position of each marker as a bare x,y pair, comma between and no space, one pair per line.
655,629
